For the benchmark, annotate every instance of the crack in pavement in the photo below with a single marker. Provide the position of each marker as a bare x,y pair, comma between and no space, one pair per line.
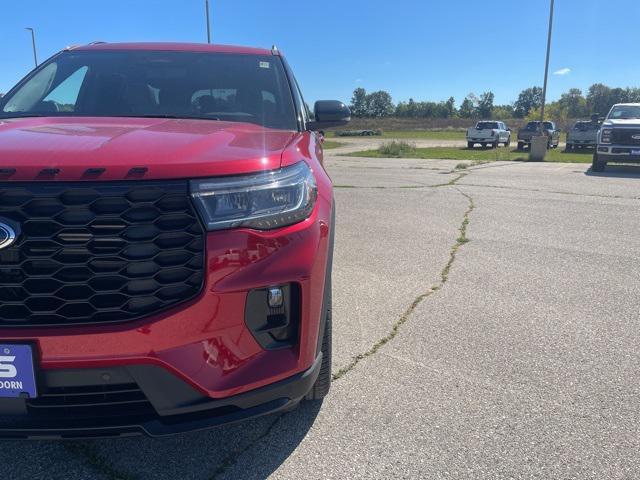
453,181
557,192
462,239
92,458
231,459
444,277
100,463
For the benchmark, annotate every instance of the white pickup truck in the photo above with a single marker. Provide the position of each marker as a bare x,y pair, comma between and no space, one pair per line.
489,133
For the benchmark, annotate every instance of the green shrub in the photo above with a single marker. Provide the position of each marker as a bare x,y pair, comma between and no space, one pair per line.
397,148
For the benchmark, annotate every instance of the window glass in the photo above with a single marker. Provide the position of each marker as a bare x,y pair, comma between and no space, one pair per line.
487,125
65,95
625,112
28,97
213,86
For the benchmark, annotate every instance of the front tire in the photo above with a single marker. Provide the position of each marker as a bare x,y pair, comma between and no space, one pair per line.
598,165
321,388
520,146
470,145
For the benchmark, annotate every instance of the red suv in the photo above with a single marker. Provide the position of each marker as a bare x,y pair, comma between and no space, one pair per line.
166,236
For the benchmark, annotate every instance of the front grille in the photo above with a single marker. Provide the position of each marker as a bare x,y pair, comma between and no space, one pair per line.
97,252
90,402
624,136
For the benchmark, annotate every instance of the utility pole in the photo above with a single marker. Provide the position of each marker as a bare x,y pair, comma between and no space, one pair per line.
546,69
33,42
208,22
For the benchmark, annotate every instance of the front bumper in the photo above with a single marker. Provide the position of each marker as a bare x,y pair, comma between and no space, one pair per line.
126,401
581,143
619,154
203,343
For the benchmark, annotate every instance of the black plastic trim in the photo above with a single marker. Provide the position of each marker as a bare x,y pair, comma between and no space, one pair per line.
179,407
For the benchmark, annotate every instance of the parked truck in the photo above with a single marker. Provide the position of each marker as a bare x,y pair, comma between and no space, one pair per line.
532,129
619,137
489,133
584,134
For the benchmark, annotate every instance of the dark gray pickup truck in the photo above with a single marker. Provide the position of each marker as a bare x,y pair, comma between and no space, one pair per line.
532,129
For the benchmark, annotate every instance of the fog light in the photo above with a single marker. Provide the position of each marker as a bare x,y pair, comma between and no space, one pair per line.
272,314
275,298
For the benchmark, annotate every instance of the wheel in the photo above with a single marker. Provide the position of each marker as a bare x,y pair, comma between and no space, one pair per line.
569,148
470,145
598,165
321,388
520,146
496,144
508,142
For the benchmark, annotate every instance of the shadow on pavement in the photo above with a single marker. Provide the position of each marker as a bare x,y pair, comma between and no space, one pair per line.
200,455
617,171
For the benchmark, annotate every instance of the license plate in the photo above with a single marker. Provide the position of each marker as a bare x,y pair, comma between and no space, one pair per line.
635,152
17,376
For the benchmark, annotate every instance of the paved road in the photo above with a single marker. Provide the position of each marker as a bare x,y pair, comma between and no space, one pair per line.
506,299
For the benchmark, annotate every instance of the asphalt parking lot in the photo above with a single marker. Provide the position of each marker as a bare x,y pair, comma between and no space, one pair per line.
485,326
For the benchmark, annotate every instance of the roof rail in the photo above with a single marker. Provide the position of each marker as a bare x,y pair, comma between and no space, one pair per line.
274,50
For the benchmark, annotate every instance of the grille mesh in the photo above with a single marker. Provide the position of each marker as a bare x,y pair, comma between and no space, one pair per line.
75,403
97,252
624,136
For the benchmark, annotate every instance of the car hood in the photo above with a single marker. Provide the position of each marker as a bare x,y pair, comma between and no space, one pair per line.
632,122
83,148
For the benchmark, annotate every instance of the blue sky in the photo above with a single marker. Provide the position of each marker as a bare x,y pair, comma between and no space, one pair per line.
425,49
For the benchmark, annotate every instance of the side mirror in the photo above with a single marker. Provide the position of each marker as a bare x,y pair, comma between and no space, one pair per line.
329,113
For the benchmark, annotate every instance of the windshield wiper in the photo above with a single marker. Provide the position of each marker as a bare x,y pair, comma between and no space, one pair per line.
163,115
5,116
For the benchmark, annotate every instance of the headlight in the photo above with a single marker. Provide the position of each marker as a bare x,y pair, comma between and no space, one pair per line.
606,135
263,201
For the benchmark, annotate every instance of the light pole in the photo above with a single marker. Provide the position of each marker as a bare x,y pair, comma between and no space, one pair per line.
546,68
33,42
208,23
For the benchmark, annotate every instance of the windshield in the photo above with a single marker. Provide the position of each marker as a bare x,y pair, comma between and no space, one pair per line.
624,112
536,126
486,125
229,87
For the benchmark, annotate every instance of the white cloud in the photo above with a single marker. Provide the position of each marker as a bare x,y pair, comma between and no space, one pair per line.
358,80
562,71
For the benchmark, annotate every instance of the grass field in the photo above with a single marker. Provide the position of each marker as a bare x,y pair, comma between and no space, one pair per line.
478,154
328,144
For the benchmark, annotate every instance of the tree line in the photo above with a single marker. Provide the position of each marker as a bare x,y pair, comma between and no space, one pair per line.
573,104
